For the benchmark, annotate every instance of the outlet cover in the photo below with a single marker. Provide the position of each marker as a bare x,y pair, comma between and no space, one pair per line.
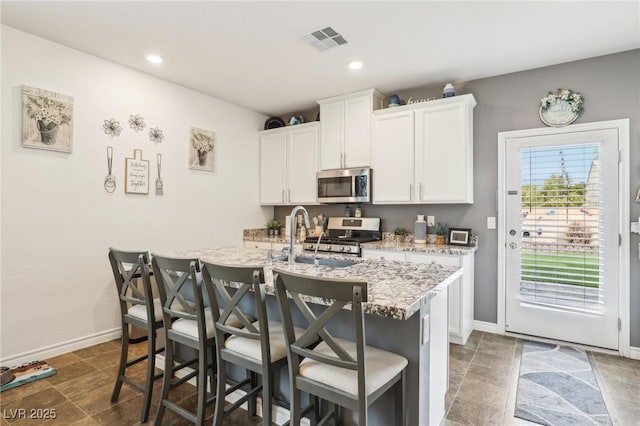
425,329
491,222
431,220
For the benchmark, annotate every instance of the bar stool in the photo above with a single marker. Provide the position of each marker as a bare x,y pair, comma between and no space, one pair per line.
137,305
188,323
259,347
349,374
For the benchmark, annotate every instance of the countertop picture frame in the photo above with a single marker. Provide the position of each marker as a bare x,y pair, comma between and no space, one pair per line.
136,174
460,236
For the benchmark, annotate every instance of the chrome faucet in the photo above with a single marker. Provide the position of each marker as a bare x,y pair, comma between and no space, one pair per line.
292,231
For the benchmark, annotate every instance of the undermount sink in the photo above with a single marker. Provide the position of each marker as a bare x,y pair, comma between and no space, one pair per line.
333,263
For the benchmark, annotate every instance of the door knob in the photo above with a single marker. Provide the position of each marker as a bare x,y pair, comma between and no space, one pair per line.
513,245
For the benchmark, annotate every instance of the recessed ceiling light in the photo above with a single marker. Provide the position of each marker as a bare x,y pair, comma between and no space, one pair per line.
355,65
154,59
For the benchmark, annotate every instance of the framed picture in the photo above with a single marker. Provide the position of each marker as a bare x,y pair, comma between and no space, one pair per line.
201,149
136,174
47,120
460,236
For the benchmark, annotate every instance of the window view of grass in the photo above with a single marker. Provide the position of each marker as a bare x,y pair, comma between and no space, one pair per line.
561,268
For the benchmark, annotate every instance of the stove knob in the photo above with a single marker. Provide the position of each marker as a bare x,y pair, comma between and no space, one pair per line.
327,247
342,248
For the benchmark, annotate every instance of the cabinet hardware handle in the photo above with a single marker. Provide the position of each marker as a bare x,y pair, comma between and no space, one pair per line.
410,192
344,160
420,191
283,195
289,196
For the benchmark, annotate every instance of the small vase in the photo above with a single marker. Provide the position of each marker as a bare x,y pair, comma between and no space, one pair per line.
431,238
202,158
440,240
48,132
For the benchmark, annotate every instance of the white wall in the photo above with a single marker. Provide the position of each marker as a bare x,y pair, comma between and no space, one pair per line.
57,290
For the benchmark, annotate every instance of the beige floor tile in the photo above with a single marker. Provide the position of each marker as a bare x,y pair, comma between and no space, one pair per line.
495,349
22,391
96,350
473,340
99,398
46,399
122,414
482,393
70,372
496,377
461,353
615,360
63,360
87,421
497,338
471,413
63,414
491,361
105,360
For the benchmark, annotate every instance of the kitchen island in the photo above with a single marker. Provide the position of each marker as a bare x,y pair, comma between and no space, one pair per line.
406,313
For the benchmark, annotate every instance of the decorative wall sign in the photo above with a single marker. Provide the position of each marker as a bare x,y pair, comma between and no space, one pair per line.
136,122
47,120
155,135
110,180
111,128
201,154
136,174
561,108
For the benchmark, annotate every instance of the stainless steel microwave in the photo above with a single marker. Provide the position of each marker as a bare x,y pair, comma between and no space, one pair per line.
344,186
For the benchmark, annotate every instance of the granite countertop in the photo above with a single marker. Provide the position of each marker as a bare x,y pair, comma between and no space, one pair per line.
396,289
419,248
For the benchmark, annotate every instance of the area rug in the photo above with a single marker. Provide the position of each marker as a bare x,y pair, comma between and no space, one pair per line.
558,387
28,373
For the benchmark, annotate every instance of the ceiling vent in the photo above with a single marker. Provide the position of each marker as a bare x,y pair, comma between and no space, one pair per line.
324,39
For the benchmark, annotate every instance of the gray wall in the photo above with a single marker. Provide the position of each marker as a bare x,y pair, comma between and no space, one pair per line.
611,89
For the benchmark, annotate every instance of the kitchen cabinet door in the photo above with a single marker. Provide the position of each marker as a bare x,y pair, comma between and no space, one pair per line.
302,159
393,158
332,135
273,164
444,154
357,132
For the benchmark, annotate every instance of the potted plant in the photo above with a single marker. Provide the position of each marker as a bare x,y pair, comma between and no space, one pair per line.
274,227
400,234
441,232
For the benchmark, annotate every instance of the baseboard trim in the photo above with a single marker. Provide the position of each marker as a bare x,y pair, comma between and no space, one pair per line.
487,327
279,415
62,348
634,352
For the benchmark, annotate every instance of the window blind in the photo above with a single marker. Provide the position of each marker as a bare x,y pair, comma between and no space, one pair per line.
561,221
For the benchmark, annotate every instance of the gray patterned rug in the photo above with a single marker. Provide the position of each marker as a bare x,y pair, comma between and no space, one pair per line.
557,387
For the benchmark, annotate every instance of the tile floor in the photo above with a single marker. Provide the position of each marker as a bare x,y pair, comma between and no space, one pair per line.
483,380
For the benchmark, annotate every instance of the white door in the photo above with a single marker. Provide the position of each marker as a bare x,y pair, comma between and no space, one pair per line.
562,236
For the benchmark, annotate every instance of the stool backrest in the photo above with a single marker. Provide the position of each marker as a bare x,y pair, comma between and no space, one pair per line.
128,266
299,290
177,278
220,279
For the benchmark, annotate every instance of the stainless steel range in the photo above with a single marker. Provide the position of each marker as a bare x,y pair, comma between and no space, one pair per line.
345,234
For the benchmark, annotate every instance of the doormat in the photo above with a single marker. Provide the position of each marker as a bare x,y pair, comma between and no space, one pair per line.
557,387
27,373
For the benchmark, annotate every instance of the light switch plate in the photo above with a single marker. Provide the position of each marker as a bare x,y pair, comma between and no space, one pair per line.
425,329
431,220
491,222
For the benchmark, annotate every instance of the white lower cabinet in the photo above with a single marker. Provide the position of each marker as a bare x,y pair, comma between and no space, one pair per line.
460,291
270,246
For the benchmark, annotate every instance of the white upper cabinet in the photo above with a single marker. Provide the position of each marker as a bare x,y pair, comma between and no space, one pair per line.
393,158
345,129
288,165
423,153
